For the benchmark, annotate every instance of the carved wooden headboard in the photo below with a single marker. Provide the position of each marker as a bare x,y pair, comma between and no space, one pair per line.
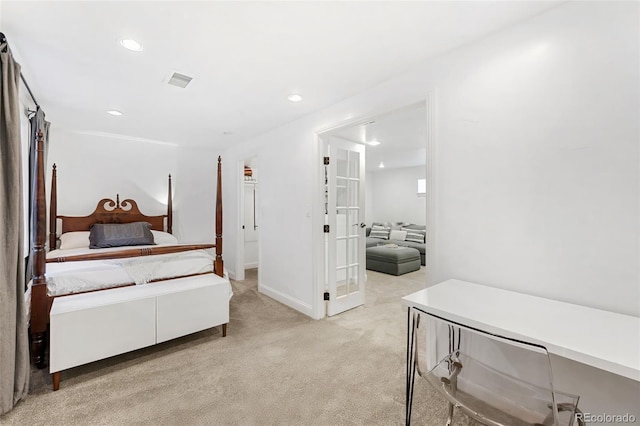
107,211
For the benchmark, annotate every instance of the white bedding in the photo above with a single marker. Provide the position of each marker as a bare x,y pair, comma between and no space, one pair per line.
74,277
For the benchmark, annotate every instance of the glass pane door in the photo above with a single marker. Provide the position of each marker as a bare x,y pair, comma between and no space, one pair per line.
345,250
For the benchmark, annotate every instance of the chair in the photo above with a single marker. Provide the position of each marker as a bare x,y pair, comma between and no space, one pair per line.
497,381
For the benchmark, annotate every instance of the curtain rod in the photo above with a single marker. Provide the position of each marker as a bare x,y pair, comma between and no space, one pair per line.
3,39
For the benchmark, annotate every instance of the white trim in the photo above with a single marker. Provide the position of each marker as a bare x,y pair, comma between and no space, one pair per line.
232,275
317,220
251,265
431,104
239,177
122,137
286,300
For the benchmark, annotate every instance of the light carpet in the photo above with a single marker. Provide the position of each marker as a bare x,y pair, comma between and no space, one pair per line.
275,367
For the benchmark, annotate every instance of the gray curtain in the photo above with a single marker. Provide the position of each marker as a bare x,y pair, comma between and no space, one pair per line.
14,344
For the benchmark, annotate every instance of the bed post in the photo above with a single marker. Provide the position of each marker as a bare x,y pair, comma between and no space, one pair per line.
169,209
39,302
53,210
219,265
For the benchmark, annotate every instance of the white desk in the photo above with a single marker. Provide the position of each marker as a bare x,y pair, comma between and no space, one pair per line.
602,339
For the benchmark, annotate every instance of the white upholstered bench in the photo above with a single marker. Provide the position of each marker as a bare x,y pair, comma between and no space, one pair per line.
91,326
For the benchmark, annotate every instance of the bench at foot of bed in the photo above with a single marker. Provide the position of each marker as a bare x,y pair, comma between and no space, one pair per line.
92,326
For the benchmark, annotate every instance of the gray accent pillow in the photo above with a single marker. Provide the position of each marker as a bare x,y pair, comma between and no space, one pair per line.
380,232
415,235
103,235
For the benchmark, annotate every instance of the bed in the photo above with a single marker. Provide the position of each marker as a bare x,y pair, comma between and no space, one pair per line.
117,280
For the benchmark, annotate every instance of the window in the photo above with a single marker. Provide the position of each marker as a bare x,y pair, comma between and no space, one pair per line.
24,137
422,187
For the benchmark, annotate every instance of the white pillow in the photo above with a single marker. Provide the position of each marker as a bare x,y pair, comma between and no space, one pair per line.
397,235
160,237
76,239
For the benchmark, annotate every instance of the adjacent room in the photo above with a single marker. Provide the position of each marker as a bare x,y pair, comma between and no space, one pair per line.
322,213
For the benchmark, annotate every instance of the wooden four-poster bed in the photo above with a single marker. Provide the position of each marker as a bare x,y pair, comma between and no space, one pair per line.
88,306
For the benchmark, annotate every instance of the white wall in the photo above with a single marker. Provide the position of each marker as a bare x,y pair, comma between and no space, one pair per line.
394,196
286,183
537,179
536,153
92,167
368,199
194,199
538,158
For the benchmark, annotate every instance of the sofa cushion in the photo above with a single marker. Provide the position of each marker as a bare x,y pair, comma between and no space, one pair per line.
421,247
396,234
415,235
414,226
372,242
392,254
391,225
379,232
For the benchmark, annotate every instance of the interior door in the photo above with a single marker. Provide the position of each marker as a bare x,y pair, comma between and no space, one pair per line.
345,241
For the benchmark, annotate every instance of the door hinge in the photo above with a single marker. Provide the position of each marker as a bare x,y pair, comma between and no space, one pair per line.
326,161
326,295
326,229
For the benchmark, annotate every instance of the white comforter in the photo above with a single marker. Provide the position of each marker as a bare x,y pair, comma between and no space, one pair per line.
74,277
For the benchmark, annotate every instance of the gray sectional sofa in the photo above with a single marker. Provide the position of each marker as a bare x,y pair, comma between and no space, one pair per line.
421,247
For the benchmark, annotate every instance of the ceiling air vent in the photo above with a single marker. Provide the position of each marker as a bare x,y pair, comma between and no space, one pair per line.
179,80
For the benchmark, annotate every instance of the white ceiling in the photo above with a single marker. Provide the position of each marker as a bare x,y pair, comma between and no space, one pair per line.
402,135
245,57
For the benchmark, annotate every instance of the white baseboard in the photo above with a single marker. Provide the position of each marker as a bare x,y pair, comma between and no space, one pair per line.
286,300
232,275
251,265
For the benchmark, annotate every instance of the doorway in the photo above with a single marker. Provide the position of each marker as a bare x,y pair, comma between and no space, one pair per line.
397,161
249,219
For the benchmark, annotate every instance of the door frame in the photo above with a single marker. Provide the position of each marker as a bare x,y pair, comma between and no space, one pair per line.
239,274
430,101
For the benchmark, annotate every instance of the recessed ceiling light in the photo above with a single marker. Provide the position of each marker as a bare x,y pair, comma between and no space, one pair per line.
295,97
114,112
381,165
227,133
373,143
130,44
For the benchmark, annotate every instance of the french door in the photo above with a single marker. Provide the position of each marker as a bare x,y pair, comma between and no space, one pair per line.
344,221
